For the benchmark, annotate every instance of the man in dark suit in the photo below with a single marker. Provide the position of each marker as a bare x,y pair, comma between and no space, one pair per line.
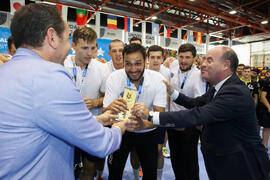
231,146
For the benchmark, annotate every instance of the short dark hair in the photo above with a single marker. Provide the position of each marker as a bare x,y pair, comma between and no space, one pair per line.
115,40
247,67
86,33
241,65
155,48
135,39
229,54
31,23
132,48
187,47
10,42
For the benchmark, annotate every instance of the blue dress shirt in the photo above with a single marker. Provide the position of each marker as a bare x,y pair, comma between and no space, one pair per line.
42,116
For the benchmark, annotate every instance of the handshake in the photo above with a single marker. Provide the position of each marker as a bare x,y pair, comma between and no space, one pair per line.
137,121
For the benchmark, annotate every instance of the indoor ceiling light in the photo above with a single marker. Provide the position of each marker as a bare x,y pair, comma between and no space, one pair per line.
264,22
233,12
154,17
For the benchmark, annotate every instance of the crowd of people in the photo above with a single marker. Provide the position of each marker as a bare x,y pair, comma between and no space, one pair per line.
60,115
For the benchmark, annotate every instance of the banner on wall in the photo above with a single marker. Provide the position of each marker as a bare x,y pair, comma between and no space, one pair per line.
103,48
4,34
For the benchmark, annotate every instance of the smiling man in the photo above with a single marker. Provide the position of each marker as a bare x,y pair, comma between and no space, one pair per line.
115,51
90,76
43,115
230,143
185,78
151,90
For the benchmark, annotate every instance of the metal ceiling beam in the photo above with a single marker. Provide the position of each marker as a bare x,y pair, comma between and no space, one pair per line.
155,14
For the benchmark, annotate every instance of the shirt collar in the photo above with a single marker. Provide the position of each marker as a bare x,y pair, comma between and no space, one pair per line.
218,85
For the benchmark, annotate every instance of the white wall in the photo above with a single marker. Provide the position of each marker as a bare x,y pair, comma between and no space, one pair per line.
243,53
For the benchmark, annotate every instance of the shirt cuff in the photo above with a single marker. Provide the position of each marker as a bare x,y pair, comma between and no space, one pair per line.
174,95
156,118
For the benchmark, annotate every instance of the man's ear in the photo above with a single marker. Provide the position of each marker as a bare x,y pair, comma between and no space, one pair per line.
52,38
227,64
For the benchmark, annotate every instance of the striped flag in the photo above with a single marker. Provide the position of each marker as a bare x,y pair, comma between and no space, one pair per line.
63,10
111,22
199,38
128,24
167,31
190,36
155,29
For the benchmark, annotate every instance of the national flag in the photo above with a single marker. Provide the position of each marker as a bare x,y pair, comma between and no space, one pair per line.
168,32
63,10
199,38
127,24
15,5
81,17
164,31
190,36
155,29
111,22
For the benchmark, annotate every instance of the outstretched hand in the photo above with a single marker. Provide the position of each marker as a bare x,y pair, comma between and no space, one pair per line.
140,110
118,105
107,118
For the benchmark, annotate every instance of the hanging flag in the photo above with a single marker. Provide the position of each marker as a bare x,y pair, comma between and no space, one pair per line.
15,5
190,36
199,38
169,32
63,10
155,29
127,24
81,17
164,31
111,22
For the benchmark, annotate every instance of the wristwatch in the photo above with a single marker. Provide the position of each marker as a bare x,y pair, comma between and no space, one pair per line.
150,116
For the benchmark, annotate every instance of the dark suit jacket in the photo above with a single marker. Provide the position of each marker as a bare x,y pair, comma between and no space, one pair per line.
230,144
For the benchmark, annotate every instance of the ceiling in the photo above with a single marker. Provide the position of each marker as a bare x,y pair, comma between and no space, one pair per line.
206,16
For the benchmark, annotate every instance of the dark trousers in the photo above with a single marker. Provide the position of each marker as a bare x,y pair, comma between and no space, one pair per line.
184,153
146,146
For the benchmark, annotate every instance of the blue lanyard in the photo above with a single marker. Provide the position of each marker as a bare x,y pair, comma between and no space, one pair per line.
140,86
74,69
184,80
206,87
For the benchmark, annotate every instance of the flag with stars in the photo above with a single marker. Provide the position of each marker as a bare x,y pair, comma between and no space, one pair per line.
103,48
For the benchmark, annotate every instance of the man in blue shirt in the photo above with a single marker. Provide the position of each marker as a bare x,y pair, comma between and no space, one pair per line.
42,113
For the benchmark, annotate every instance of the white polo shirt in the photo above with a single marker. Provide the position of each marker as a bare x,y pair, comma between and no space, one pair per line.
93,83
194,85
110,66
165,71
153,89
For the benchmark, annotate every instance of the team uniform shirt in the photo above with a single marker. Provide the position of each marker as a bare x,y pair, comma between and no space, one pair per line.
165,72
153,92
110,66
189,83
93,83
43,117
252,85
